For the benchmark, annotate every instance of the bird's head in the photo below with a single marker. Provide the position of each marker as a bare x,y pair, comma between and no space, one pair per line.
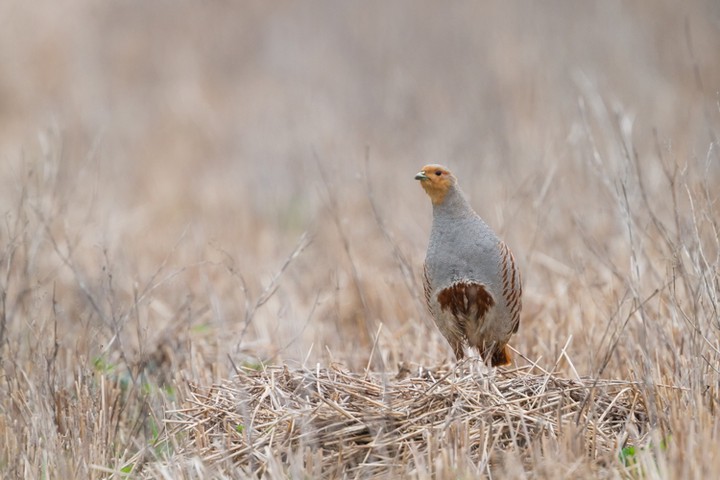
437,181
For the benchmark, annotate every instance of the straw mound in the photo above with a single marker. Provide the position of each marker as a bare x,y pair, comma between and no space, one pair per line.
338,423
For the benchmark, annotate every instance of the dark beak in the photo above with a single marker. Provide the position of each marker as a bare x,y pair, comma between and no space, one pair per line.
421,176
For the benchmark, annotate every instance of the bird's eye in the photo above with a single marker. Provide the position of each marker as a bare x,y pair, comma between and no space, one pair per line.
438,172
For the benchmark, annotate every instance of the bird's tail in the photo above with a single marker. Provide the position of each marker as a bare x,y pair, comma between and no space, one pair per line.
501,357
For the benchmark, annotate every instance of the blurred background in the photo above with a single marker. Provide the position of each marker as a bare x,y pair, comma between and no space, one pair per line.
176,152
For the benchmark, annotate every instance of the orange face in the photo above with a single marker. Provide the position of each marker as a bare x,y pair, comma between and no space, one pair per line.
436,180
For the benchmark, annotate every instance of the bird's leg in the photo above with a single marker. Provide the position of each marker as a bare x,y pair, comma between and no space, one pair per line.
463,365
459,352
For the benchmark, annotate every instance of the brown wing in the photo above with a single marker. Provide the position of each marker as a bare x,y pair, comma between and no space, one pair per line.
512,285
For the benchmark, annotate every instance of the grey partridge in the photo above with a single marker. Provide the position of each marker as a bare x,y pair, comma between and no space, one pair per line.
471,281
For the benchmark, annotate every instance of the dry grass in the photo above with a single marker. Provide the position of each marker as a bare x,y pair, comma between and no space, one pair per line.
336,423
211,240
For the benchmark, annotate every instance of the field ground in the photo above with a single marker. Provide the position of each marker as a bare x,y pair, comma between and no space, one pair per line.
211,238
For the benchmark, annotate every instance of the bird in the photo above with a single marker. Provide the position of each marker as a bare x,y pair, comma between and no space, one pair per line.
471,281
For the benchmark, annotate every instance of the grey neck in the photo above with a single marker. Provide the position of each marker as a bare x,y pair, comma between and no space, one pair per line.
454,205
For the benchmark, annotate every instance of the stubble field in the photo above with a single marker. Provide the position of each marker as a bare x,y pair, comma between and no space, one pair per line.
211,239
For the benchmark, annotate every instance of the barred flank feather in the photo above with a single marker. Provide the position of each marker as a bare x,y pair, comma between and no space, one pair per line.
512,285
426,285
